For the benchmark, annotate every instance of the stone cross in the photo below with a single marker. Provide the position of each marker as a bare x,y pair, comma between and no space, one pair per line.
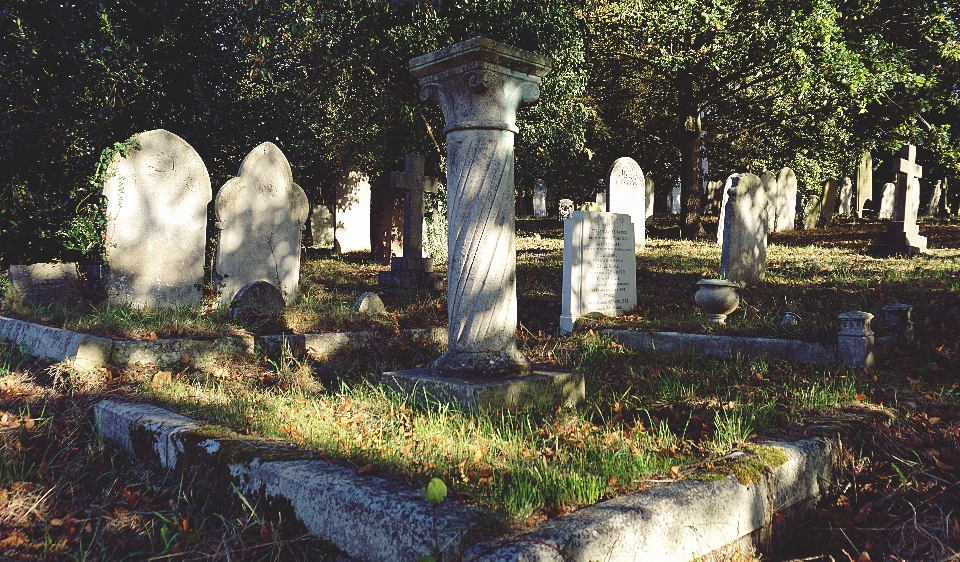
479,85
415,184
903,234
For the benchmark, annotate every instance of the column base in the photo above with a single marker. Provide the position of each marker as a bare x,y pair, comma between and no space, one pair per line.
481,365
410,273
543,389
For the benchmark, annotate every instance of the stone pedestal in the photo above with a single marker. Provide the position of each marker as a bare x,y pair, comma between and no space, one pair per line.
896,317
855,340
903,235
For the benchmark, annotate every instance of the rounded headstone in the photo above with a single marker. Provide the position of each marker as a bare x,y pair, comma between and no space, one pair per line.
369,304
258,307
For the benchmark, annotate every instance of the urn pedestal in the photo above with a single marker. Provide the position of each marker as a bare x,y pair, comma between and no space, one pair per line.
717,298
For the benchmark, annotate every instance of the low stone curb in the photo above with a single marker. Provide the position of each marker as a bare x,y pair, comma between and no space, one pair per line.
725,347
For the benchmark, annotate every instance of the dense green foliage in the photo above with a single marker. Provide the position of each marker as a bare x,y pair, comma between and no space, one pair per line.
806,83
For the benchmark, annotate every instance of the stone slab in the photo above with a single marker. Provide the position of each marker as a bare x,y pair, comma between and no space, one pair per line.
199,352
726,347
83,351
542,389
369,517
321,346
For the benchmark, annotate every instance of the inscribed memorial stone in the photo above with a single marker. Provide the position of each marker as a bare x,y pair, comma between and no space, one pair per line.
566,209
156,230
811,213
828,202
934,204
887,200
864,182
260,214
539,199
675,200
599,266
387,237
352,213
784,208
743,257
627,194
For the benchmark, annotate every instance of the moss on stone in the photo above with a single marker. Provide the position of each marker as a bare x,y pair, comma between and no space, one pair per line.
748,468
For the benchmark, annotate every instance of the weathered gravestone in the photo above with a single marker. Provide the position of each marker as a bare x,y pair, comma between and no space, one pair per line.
412,269
599,266
933,206
539,199
258,307
321,225
811,210
260,214
784,205
369,304
601,200
828,202
156,232
769,182
566,209
743,257
732,181
387,236
864,182
887,201
903,235
648,195
351,213
846,197
627,195
675,200
46,283
714,197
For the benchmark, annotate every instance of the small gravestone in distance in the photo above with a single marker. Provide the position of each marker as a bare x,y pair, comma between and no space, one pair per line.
935,196
675,200
156,230
599,266
846,197
903,235
627,195
743,257
387,237
352,213
714,197
539,199
648,196
784,205
864,182
811,213
369,304
769,182
732,181
46,283
258,307
260,214
887,200
321,224
828,202
566,209
601,200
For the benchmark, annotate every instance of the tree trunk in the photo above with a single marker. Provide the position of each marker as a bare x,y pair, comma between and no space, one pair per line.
689,143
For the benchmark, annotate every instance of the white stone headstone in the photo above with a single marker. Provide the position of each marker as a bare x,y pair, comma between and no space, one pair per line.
864,182
732,181
934,203
744,255
846,197
352,213
601,199
260,214
599,266
628,195
321,224
539,199
565,209
675,200
156,231
784,209
903,235
648,196
887,200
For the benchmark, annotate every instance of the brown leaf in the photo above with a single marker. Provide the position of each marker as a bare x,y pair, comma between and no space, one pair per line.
366,469
675,472
15,539
864,557
612,481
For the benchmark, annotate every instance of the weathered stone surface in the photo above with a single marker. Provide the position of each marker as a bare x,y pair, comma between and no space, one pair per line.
479,85
627,196
743,256
846,197
319,347
784,205
387,241
258,307
675,200
601,200
887,200
903,235
321,224
539,199
599,266
648,195
812,213
83,351
46,283
855,341
725,347
156,231
864,182
714,197
566,209
770,186
352,213
933,206
732,181
199,352
260,214
828,202
369,304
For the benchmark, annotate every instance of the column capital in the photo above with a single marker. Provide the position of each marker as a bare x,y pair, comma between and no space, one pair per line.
479,83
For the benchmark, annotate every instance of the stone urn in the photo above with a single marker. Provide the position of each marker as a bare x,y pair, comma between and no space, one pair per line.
717,298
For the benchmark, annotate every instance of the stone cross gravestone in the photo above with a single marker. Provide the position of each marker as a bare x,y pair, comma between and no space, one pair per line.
352,213
156,231
412,269
599,266
743,257
903,235
770,186
864,182
887,201
828,202
846,197
566,209
387,237
784,205
260,214
321,225
627,195
539,199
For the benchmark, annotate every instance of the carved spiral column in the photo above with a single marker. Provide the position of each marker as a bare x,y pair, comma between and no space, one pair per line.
479,85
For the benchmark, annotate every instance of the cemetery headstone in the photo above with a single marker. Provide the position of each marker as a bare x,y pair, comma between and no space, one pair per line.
675,200
846,197
412,269
770,186
828,202
352,213
732,181
566,209
520,205
714,197
903,235
934,204
260,214
321,224
369,304
743,257
601,200
648,195
156,231
599,266
864,182
784,207
258,307
887,200
539,199
811,213
627,193
387,236
46,283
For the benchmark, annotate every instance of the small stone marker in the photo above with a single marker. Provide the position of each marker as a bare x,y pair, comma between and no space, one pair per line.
369,304
770,186
260,214
855,340
321,224
732,181
539,199
828,202
784,208
156,230
599,266
648,196
566,209
933,206
811,213
46,283
258,307
864,182
887,201
846,197
601,200
352,213
412,270
903,235
743,257
627,195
